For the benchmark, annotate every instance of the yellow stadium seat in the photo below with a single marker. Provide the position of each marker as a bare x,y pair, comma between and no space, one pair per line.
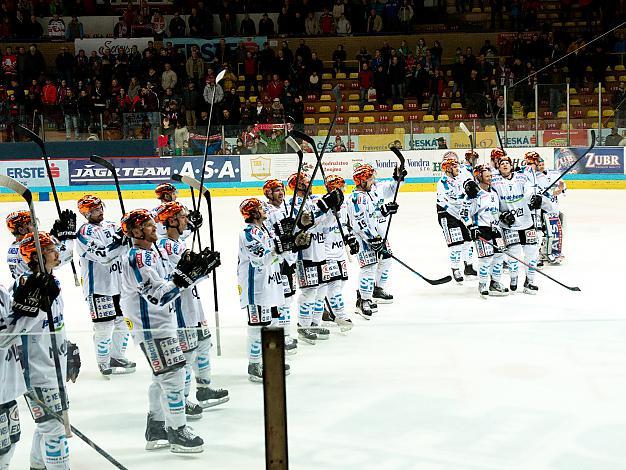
368,107
323,120
253,99
430,130
443,117
622,78
368,119
608,68
564,126
428,117
476,10
398,119
241,89
596,90
340,76
451,83
325,98
327,86
572,91
354,120
322,132
445,130
610,78
241,98
531,115
398,107
561,115
324,109
517,104
592,113
354,75
610,124
259,78
241,78
354,97
574,102
456,106
490,128
619,68
608,113
594,125
398,130
354,108
327,76
309,120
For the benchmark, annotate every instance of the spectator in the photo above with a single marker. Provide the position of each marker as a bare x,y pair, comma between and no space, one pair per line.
195,24
344,28
405,16
9,64
441,144
74,30
311,25
459,76
435,91
133,88
195,67
65,65
84,107
557,83
181,137
178,27
266,60
295,109
391,9
420,49
316,64
169,79
315,85
121,29
190,103
380,84
436,52
250,71
258,147
223,52
327,25
34,30
277,110
232,103
339,59
622,143
158,26
304,51
240,148
56,28
230,79
266,26
613,139
397,78
247,27
274,142
363,55
212,91
366,78
374,23
275,88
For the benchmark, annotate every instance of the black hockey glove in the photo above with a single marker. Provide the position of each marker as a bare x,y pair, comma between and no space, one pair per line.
210,259
331,201
352,243
120,239
33,293
474,231
471,189
376,243
399,175
389,208
73,362
301,241
306,221
384,253
194,220
189,269
535,202
64,227
507,217
285,226
284,243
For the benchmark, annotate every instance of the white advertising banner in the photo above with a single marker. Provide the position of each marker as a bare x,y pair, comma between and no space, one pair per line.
115,44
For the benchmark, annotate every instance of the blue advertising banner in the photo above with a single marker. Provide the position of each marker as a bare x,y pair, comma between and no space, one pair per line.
601,160
207,46
220,169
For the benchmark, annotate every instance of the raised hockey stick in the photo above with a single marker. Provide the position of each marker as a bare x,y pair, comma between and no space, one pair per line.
195,184
30,135
433,282
469,135
294,145
575,289
17,187
109,166
593,144
395,150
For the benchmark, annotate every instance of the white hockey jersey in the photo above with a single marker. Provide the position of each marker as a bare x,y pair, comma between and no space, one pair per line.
452,198
334,244
316,252
466,173
148,294
550,202
364,210
484,209
276,214
514,193
18,266
11,375
162,231
258,269
100,253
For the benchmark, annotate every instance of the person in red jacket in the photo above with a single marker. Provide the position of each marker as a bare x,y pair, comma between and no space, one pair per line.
250,71
275,88
366,79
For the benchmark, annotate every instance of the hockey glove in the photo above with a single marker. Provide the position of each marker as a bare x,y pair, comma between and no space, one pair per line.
301,242
211,260
285,226
471,189
384,253
399,175
73,362
331,201
306,221
33,293
352,243
389,209
474,232
376,243
189,269
194,220
507,217
535,202
64,227
284,243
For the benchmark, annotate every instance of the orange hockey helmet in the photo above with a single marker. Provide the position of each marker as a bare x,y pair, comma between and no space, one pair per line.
271,185
165,188
87,203
16,220
303,180
250,207
362,173
28,247
448,163
532,158
334,182
497,154
134,219
169,209
479,170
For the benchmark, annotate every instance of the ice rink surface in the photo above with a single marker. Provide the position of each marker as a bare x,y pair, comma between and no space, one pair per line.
440,379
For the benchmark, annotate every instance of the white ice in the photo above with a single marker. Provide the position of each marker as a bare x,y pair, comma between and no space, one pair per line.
440,379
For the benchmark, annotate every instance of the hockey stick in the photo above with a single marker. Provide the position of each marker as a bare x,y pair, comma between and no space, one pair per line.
469,135
294,145
15,186
593,144
433,282
575,289
30,135
195,184
109,166
395,194
76,431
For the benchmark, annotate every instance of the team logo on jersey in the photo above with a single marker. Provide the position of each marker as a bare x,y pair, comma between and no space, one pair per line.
260,167
129,323
239,289
139,259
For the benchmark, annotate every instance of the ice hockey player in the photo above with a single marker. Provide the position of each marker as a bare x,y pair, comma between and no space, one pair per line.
466,173
260,284
484,213
367,215
149,286
336,261
100,249
496,155
194,337
167,192
311,262
552,227
517,201
277,212
452,213
33,292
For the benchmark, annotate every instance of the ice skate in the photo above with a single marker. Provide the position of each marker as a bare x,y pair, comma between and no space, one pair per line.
307,335
209,397
156,435
255,372
469,271
345,324
513,285
458,277
382,297
530,288
482,290
322,333
373,304
193,411
122,366
184,441
497,289
105,370
363,308
328,319
291,346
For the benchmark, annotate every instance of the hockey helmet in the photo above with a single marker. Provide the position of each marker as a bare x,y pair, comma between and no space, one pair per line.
271,185
28,247
250,207
497,154
479,170
448,163
471,155
165,188
505,158
16,220
169,209
362,173
532,158
87,203
302,180
334,182
134,219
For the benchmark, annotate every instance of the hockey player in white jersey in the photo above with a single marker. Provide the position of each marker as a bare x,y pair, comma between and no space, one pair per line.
100,248
368,215
193,334
466,173
149,287
260,284
452,213
551,220
167,192
517,202
311,265
277,212
484,214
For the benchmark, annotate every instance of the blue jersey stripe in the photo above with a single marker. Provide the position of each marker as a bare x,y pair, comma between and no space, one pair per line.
145,318
25,363
90,276
250,284
178,305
